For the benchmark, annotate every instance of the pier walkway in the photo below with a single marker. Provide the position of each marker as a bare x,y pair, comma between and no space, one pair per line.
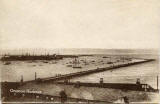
82,73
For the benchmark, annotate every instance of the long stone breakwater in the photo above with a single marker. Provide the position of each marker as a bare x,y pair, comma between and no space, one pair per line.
87,72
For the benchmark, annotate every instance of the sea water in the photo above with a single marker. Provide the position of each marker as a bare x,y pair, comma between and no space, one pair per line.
147,72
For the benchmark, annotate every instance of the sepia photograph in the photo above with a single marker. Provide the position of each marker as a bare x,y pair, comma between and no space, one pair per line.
79,51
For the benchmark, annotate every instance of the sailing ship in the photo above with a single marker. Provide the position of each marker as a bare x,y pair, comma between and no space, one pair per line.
76,63
85,62
30,57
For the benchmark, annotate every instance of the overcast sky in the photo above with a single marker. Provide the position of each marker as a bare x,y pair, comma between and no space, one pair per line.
79,24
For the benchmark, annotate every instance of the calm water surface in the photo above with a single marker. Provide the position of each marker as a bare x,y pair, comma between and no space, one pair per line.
147,72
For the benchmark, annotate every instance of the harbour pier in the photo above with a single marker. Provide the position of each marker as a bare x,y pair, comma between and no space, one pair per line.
87,72
122,86
58,81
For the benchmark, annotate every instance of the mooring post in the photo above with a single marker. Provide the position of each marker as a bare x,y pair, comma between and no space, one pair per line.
138,81
21,78
157,83
101,81
35,75
21,82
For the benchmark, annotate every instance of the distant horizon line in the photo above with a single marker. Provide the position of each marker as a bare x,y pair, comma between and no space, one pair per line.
82,48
